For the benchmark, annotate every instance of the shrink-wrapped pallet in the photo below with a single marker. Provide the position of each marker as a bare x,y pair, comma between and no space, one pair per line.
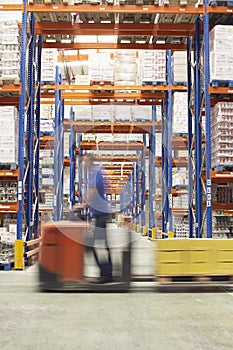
9,134
221,62
152,66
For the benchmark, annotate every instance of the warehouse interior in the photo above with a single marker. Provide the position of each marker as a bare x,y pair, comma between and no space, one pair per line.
146,88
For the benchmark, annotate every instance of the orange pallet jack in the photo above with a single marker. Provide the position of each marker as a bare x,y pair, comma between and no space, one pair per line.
61,260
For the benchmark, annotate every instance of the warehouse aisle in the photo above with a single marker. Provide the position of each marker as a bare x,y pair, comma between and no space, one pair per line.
31,320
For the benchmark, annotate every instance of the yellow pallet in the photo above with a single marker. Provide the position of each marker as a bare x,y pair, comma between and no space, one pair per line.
194,257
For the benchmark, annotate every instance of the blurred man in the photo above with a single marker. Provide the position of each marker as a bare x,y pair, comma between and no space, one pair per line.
100,209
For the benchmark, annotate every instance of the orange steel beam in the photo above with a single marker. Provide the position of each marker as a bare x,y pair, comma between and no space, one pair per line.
10,88
127,29
111,127
114,46
72,58
113,96
220,9
9,101
56,8
112,88
221,90
112,145
16,7
103,88
109,102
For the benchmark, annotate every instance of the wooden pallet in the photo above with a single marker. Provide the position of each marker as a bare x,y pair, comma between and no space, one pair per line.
50,16
221,83
154,83
9,81
194,279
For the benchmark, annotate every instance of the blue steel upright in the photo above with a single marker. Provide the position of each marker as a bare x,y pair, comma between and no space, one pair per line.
37,127
132,194
152,150
143,183
72,159
164,167
137,197
208,124
58,151
190,138
169,145
198,129
30,132
22,105
79,168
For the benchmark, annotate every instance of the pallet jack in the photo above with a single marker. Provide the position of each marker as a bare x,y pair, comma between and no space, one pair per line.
61,260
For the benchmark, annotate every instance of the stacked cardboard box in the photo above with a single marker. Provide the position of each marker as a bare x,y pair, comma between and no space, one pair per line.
221,61
180,66
125,67
152,66
83,113
142,113
47,168
180,113
101,68
8,192
48,65
9,50
123,113
222,133
9,138
102,113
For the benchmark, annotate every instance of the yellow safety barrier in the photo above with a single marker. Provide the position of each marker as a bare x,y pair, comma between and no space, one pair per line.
170,234
144,231
153,233
19,255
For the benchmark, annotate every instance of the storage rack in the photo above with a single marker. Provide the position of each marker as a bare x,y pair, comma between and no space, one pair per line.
209,14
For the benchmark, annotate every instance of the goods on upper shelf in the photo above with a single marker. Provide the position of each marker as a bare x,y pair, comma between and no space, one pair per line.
125,67
8,138
221,60
152,66
179,67
101,68
48,65
9,50
180,113
222,133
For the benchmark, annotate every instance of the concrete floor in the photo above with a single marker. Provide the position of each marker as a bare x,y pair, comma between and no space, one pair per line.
31,320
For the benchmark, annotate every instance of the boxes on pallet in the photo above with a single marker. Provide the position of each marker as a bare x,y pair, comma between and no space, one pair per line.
46,111
9,49
179,66
101,67
46,127
221,37
83,113
81,79
9,138
123,113
152,66
66,144
125,67
142,113
180,113
48,64
222,135
102,112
